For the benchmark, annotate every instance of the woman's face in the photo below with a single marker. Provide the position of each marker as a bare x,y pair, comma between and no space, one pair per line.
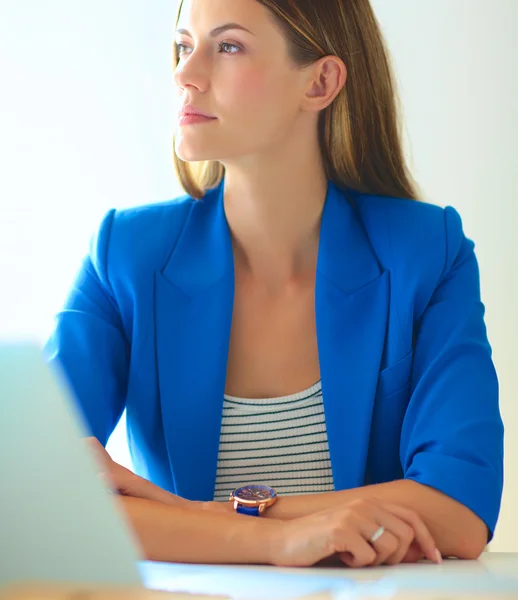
242,78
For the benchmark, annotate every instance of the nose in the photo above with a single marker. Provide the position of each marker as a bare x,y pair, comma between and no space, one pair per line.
191,71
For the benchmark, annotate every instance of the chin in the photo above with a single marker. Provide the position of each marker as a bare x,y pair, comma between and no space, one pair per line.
192,153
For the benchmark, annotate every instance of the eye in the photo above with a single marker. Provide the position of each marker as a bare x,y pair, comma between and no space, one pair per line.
224,46
180,48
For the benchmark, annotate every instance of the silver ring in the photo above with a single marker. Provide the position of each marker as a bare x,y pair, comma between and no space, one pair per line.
377,535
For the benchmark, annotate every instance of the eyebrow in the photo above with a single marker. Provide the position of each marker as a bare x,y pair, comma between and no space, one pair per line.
218,30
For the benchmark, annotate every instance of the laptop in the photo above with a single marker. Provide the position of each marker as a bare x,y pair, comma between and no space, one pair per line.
58,521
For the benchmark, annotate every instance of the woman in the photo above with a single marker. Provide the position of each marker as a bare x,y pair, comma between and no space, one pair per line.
298,319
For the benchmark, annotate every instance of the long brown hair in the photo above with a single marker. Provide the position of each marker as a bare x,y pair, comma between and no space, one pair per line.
360,131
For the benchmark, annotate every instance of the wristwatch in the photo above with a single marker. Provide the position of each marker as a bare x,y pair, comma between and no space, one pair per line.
252,499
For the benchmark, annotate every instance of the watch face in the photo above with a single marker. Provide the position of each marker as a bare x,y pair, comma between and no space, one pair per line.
255,493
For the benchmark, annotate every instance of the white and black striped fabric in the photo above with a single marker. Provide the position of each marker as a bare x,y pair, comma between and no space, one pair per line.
280,442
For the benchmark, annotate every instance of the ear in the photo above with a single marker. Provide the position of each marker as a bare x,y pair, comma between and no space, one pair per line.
326,78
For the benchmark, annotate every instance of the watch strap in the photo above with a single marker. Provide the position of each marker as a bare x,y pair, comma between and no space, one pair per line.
252,511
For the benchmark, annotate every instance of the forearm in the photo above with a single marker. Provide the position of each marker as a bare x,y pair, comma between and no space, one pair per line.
178,534
457,531
150,491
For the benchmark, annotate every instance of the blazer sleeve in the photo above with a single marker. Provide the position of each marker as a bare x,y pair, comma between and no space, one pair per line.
88,344
452,435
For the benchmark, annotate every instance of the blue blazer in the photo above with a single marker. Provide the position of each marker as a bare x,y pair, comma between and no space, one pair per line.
409,387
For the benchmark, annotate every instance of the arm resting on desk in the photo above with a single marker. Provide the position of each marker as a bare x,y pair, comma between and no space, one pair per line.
451,446
456,530
177,534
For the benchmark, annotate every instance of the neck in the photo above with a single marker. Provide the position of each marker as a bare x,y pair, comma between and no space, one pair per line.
274,216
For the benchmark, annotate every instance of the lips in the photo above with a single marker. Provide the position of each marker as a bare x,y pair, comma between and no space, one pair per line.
191,111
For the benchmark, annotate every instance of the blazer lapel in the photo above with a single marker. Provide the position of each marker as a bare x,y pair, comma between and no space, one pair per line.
352,295
193,312
194,297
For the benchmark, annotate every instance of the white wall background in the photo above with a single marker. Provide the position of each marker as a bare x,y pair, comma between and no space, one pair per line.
86,123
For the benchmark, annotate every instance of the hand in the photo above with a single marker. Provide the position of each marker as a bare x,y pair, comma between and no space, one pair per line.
121,480
346,531
124,482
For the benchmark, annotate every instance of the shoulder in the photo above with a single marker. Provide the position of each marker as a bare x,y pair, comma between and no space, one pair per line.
412,234
142,238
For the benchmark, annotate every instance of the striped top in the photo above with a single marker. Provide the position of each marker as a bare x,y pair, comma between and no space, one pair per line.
280,442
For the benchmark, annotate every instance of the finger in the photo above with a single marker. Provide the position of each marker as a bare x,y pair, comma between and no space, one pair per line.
414,554
93,442
401,532
354,551
106,480
421,533
98,450
385,546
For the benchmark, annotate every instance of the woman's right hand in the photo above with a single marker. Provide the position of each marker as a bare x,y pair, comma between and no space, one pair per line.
345,531
124,482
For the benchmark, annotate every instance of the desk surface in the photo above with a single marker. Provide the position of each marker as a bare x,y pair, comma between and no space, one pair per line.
494,575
